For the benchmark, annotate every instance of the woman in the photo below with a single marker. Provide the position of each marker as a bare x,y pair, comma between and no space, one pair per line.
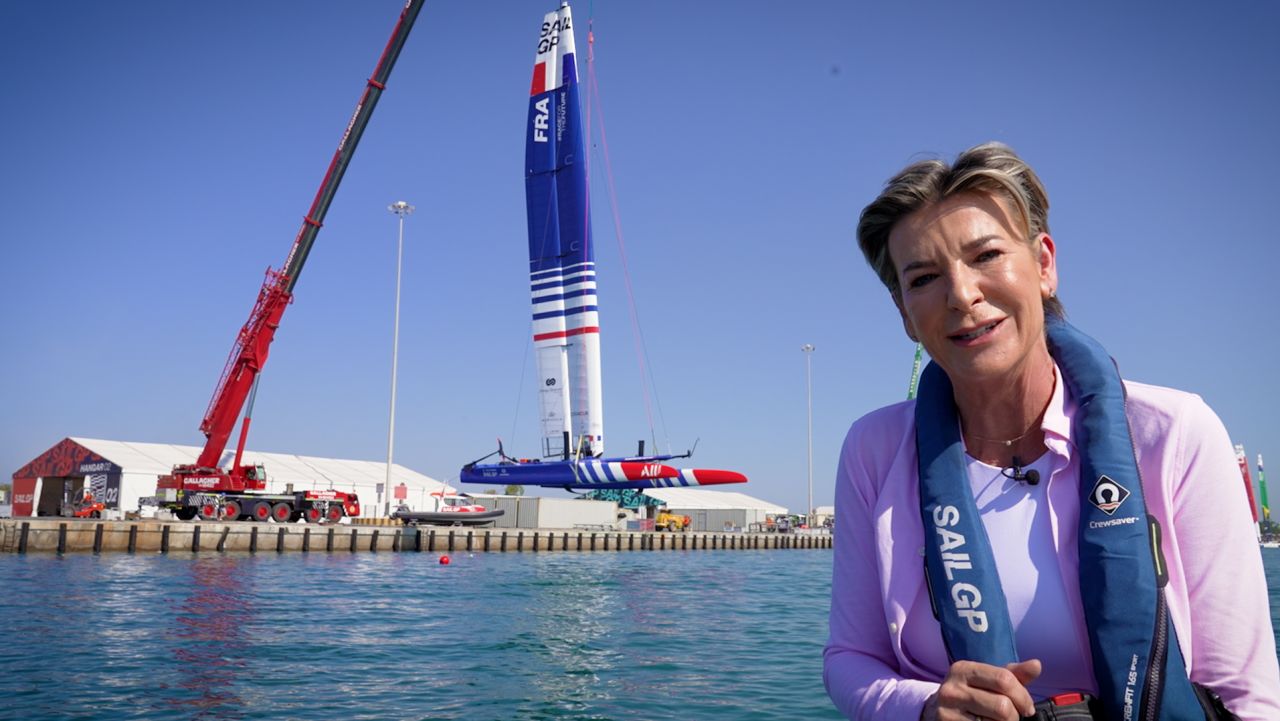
1020,494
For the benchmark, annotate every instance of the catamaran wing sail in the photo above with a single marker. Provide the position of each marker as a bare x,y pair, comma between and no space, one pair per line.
566,326
562,274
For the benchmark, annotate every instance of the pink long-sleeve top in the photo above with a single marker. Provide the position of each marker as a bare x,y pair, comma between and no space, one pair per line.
885,654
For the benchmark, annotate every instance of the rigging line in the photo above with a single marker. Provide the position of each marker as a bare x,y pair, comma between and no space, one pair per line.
316,470
528,338
646,373
648,380
524,367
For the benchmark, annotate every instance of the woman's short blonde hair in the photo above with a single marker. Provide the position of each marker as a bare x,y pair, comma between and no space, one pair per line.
991,168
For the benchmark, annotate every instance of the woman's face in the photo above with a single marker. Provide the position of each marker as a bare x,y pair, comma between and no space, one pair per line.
971,288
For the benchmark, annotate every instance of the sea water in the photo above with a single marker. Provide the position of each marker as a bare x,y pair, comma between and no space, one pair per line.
607,635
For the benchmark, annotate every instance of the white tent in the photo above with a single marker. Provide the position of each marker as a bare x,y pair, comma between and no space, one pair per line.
712,500
141,463
716,510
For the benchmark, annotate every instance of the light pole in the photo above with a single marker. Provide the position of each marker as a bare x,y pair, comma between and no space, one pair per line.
400,208
808,392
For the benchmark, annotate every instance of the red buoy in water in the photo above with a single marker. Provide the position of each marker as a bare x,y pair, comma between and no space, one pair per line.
444,560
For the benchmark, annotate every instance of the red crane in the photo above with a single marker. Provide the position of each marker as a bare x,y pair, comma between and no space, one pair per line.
205,489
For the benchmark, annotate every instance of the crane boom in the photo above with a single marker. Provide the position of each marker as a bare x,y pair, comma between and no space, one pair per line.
252,344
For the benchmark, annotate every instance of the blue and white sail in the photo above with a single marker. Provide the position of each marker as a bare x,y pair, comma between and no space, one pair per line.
562,273
562,277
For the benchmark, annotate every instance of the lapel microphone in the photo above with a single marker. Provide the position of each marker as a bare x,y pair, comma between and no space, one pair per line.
1030,477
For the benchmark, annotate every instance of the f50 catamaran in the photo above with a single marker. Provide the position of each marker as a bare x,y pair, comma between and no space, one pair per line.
562,276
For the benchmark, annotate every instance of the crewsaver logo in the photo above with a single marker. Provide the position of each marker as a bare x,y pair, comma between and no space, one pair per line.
1107,495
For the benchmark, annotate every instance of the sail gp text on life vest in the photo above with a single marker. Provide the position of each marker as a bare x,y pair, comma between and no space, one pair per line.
966,596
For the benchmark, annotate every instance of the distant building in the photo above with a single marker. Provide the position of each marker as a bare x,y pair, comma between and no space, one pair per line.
119,473
822,514
716,510
544,512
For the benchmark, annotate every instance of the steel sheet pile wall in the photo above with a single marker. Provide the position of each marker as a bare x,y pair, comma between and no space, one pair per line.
80,536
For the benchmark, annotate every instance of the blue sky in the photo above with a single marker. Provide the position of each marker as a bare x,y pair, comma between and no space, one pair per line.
160,156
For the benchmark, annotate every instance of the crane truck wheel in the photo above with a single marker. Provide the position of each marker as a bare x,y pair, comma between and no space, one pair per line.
208,511
261,511
230,510
313,515
281,512
334,514
186,513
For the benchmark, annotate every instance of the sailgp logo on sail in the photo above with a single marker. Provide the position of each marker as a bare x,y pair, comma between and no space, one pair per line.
550,36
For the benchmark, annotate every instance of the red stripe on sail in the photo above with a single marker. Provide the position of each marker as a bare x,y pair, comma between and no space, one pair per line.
567,333
539,85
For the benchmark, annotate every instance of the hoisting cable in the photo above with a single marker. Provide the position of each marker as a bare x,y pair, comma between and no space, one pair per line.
646,374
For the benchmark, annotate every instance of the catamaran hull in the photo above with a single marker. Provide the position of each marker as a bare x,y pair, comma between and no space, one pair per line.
597,474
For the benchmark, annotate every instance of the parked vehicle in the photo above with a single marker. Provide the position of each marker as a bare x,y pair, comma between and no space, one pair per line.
667,521
86,507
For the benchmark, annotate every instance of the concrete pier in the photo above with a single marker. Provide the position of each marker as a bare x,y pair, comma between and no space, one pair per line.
67,535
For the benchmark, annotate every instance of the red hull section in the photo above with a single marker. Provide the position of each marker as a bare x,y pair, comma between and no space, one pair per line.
711,477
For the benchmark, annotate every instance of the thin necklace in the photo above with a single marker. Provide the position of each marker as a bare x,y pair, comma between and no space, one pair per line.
1007,444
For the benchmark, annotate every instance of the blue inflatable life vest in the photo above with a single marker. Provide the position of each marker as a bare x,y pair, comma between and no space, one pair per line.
1137,662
